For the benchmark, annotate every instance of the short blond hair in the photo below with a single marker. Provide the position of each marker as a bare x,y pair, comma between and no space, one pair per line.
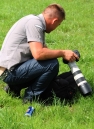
55,10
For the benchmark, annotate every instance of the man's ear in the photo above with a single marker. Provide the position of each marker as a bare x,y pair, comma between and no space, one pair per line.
54,20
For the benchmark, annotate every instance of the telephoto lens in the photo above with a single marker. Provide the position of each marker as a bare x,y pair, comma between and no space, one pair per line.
80,80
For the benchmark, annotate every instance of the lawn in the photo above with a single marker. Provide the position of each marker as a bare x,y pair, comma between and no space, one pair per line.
76,33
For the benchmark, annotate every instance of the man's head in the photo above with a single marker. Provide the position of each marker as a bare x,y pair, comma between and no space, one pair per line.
54,14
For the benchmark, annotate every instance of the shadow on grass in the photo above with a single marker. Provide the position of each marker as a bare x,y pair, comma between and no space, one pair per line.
53,100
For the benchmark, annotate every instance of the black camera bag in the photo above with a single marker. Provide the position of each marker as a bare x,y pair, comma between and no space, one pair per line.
63,87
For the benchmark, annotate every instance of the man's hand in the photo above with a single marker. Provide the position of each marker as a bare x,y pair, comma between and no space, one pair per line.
69,55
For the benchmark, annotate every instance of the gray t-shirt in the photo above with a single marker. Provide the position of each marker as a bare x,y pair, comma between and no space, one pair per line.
15,48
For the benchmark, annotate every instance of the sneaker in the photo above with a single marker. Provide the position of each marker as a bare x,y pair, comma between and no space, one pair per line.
27,99
7,89
27,96
12,92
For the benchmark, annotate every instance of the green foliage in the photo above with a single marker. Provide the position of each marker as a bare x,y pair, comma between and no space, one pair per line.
76,32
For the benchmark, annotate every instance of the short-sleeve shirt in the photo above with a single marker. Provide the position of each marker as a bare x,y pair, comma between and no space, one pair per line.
15,48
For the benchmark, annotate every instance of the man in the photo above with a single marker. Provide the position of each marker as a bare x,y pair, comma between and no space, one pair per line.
25,60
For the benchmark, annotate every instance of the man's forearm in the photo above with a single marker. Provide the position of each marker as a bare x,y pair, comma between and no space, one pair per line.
46,53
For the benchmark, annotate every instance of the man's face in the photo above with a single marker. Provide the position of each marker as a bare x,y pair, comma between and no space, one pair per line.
53,25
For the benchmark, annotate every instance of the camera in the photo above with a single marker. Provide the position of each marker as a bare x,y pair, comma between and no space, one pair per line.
80,80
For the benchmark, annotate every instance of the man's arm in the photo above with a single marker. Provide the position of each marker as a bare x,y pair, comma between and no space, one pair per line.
41,53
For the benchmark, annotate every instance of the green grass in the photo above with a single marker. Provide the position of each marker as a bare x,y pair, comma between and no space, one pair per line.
76,32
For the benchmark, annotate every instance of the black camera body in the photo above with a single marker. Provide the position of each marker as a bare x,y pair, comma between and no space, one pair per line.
80,80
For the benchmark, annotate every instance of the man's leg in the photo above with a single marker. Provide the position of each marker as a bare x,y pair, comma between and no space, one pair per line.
49,70
36,75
